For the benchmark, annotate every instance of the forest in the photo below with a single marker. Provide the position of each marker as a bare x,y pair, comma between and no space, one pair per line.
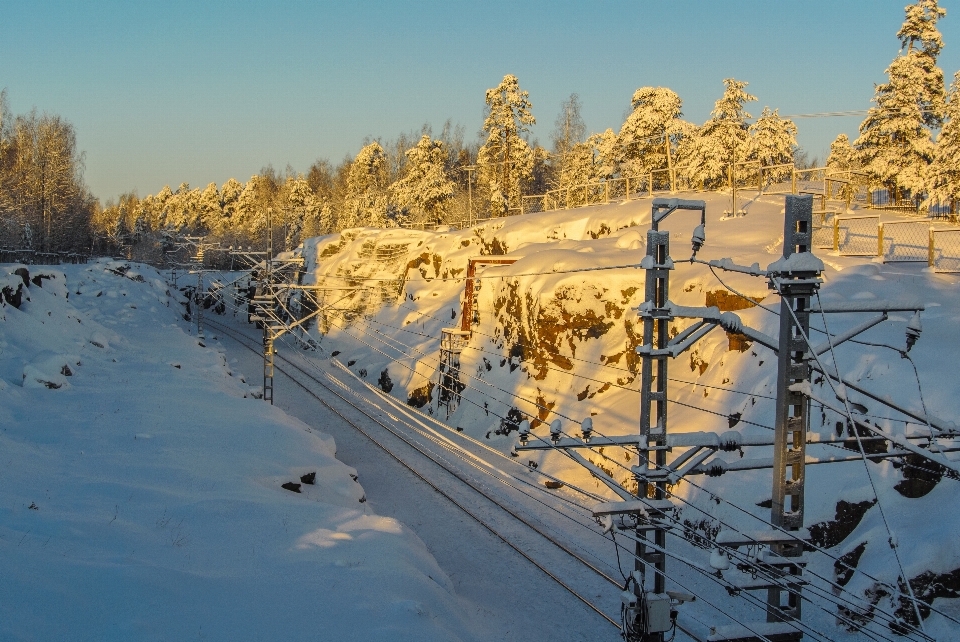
908,145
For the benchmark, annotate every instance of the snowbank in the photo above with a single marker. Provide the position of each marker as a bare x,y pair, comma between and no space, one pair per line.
141,497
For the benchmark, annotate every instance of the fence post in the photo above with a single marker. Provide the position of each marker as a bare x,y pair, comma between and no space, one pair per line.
793,180
627,188
836,233
880,240
606,192
651,183
930,252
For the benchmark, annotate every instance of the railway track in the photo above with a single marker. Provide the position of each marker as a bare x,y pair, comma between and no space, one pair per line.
305,379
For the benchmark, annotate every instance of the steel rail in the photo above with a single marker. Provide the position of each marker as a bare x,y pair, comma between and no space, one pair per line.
235,334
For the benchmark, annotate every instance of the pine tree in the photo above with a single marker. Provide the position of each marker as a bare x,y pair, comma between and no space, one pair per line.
649,136
895,145
709,150
505,161
426,188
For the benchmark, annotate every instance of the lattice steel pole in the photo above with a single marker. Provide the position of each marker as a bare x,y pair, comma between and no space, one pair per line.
797,281
653,392
268,348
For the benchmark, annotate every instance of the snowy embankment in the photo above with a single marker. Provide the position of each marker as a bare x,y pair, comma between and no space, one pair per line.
553,341
140,487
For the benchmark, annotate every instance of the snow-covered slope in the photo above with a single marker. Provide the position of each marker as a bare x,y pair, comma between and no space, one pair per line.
554,340
140,487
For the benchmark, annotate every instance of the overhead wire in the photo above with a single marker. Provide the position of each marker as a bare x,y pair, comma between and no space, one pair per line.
617,463
894,545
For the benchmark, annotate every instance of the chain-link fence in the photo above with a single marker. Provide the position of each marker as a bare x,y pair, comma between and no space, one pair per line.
822,237
945,250
856,235
777,179
904,241
32,257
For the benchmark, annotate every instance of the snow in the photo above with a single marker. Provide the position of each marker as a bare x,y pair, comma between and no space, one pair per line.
155,477
140,489
576,328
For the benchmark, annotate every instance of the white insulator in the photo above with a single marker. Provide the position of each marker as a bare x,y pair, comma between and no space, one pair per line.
719,559
555,429
524,428
587,427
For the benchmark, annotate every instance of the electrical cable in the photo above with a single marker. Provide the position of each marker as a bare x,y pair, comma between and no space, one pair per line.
894,545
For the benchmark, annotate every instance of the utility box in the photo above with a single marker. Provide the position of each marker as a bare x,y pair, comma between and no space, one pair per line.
658,613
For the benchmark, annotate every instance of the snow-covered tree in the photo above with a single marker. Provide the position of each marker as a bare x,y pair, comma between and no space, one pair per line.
842,155
506,159
229,195
896,138
426,188
26,237
650,134
772,139
365,202
943,177
210,207
121,233
709,151
569,149
140,230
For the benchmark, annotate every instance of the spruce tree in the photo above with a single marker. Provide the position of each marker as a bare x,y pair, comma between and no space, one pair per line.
943,177
896,138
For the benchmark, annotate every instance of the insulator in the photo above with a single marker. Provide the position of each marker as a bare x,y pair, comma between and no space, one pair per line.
524,430
914,328
587,427
699,238
555,430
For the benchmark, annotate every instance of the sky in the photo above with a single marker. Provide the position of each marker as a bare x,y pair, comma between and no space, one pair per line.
171,92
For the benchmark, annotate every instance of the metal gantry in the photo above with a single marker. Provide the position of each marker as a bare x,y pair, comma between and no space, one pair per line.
648,609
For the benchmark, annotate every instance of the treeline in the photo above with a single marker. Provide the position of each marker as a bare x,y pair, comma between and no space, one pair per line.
419,179
44,204
908,143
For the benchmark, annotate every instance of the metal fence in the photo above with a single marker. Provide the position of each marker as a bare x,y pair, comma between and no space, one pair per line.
945,250
32,257
856,235
903,241
823,235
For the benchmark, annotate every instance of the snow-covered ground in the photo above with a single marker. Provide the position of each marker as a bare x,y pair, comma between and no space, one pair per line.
555,341
140,488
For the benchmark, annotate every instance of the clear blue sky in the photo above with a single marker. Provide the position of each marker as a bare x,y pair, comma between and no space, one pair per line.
173,91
